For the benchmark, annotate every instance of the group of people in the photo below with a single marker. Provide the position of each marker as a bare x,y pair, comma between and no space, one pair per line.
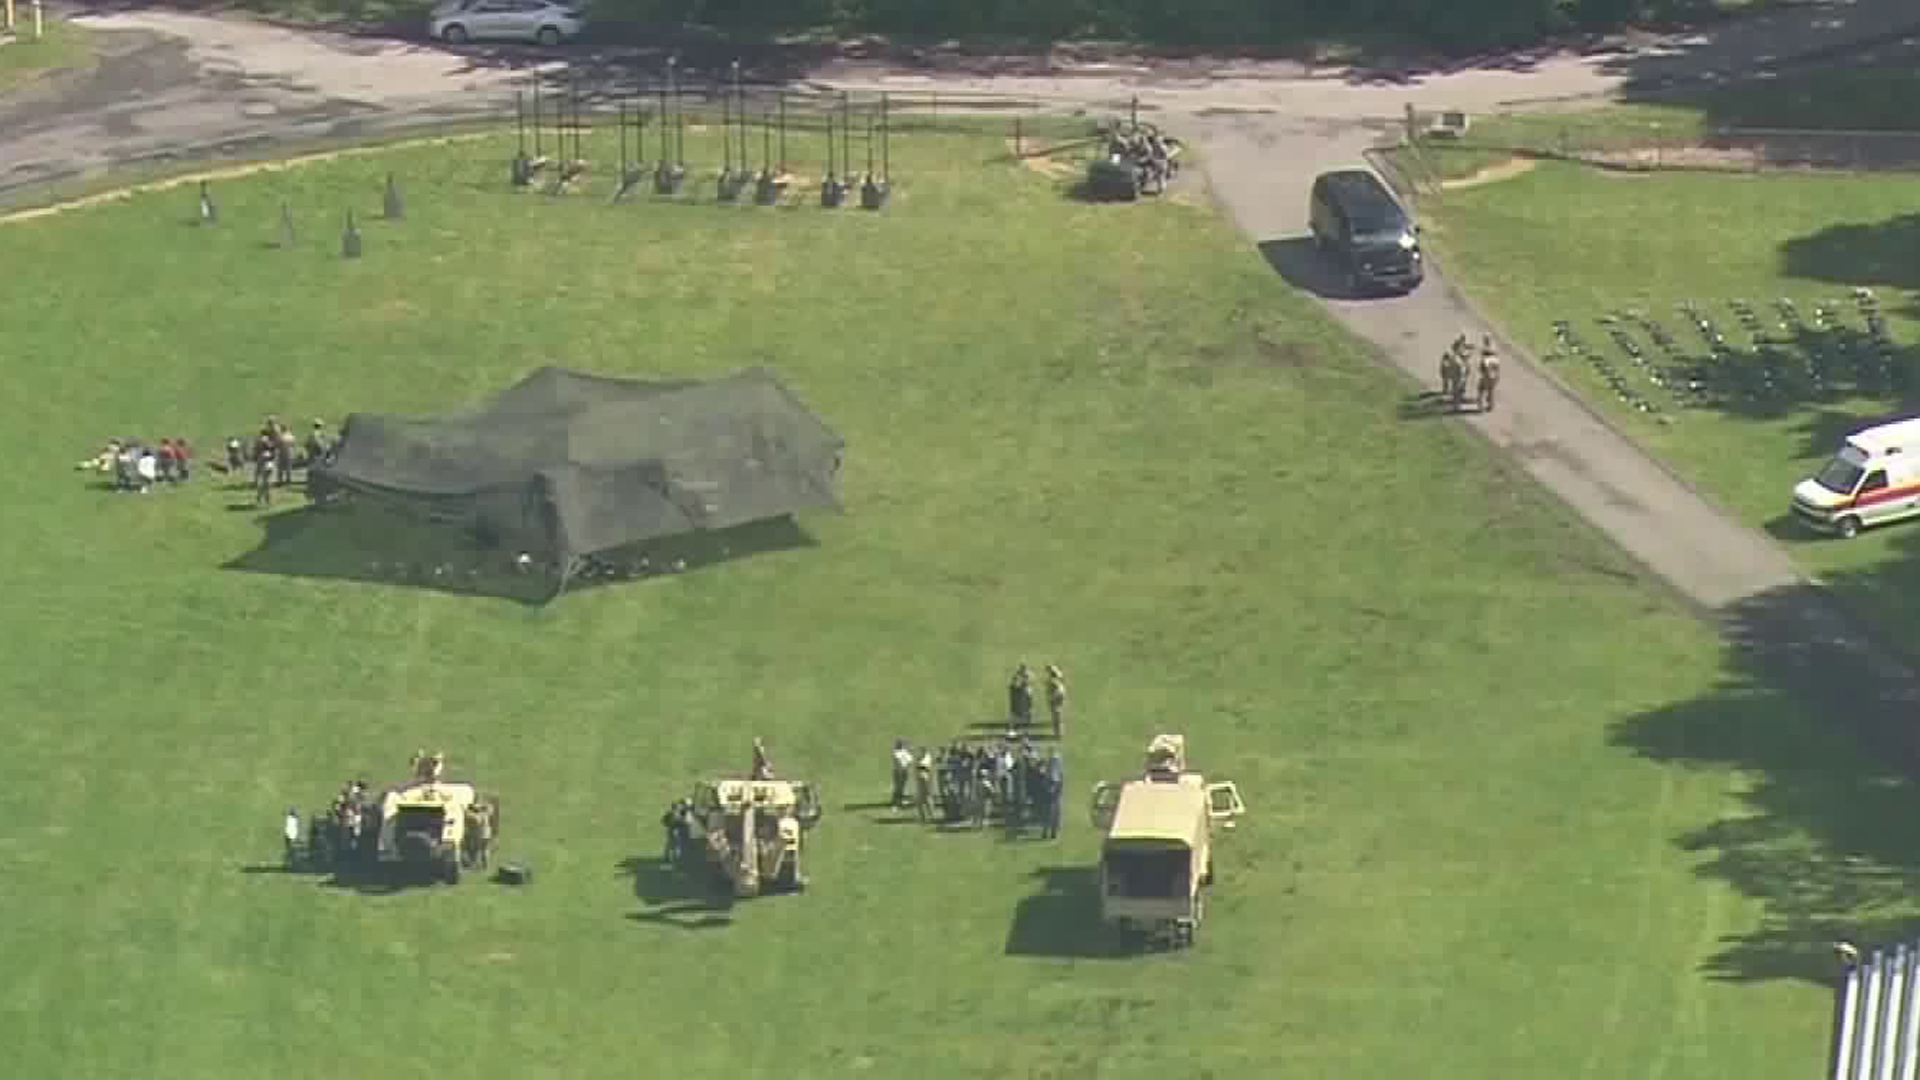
349,832
1007,778
138,467
274,453
1020,698
1459,364
1154,157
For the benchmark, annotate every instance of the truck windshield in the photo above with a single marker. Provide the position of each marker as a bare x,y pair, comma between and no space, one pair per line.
1841,475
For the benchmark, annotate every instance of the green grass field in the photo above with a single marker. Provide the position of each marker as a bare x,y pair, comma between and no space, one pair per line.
1512,812
1650,242
63,45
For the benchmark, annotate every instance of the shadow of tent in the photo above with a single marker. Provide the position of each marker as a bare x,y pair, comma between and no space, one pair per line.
374,545
1063,919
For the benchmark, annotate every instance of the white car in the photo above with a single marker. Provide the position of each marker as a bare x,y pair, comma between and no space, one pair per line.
547,22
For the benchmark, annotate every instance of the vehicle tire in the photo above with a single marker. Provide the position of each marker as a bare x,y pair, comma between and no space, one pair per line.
547,38
454,34
1849,527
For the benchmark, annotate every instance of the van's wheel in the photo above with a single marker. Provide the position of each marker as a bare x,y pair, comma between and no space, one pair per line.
454,34
1849,527
548,37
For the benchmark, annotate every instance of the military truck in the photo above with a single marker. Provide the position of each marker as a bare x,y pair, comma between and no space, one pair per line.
752,831
424,826
1156,851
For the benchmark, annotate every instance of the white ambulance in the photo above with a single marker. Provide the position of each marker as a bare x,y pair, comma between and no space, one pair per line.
1874,479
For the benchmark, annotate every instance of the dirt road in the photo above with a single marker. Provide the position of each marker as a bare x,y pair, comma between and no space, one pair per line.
172,82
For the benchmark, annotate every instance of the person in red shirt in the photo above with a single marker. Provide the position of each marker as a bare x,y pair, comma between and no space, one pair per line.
182,456
166,460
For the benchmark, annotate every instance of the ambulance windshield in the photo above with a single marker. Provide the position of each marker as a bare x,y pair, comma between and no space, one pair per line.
1843,473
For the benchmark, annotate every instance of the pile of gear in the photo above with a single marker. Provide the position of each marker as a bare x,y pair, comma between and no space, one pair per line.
1136,160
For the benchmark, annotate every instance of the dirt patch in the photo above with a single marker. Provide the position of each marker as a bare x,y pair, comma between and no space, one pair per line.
1492,174
228,173
1050,167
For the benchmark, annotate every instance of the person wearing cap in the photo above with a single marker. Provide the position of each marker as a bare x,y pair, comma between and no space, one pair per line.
902,768
1057,699
291,831
762,765
283,458
1489,373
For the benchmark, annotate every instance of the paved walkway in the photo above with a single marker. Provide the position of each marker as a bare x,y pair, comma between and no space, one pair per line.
170,82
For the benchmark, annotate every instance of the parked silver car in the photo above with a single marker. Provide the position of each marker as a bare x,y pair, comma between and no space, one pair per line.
547,22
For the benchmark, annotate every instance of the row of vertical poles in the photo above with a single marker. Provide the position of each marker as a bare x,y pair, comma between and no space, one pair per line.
565,150
1877,1018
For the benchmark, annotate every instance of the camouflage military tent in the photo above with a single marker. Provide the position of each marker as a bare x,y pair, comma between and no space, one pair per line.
565,464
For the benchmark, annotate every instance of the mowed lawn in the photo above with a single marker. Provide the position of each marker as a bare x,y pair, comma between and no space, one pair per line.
1568,242
1103,437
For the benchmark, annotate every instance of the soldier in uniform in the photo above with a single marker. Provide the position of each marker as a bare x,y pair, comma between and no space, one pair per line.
762,765
436,765
291,830
317,445
1057,700
1451,376
1020,695
1489,372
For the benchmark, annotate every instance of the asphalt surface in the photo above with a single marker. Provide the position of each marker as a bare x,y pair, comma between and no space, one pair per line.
171,84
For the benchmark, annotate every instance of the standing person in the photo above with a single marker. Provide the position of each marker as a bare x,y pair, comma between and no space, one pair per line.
183,459
1451,377
236,457
167,461
317,447
923,785
1056,792
902,769
762,765
1020,695
291,830
1489,372
284,461
1057,700
264,451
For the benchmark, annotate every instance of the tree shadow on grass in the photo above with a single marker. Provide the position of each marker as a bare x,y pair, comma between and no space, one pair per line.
674,897
1821,727
1063,919
374,546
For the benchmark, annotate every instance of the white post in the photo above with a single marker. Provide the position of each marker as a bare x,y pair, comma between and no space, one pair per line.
9,26
1910,1030
38,27
1897,988
1869,1019
1849,1012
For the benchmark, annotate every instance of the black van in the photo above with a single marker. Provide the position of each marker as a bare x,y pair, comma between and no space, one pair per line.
1356,221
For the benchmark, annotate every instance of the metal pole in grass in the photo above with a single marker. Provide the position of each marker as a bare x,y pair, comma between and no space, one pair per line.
740,111
539,153
350,239
886,155
783,133
846,132
522,165
726,134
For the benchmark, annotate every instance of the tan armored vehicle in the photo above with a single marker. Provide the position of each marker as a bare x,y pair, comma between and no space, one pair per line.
1156,853
431,824
752,831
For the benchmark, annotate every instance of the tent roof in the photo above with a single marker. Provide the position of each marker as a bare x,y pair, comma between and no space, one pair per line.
618,460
